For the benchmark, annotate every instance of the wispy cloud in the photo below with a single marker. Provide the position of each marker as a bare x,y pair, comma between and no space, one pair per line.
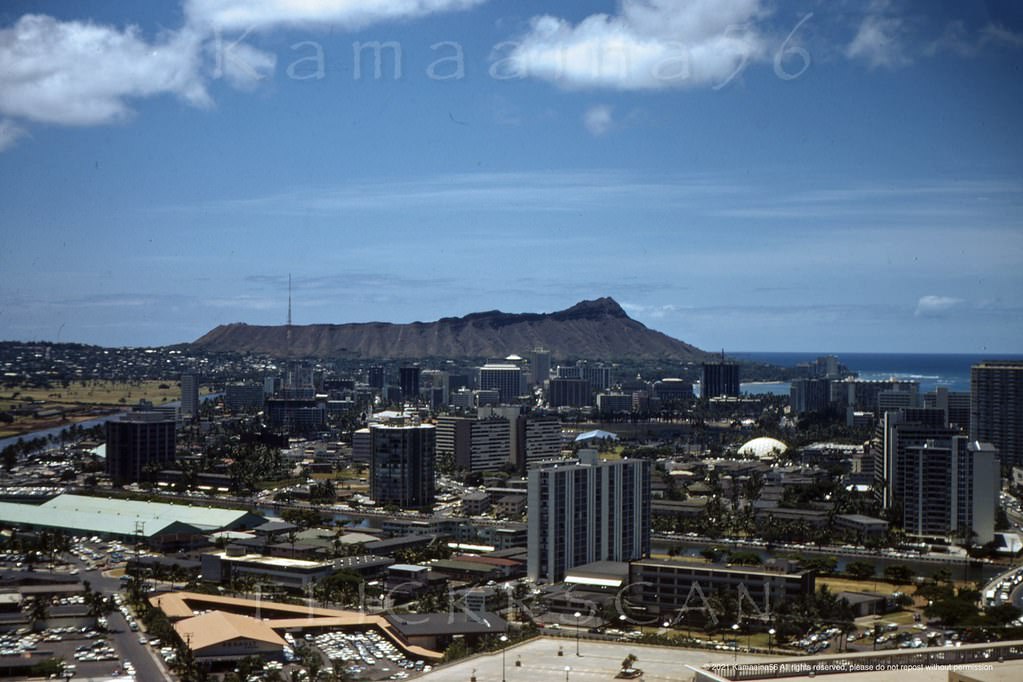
879,40
528,191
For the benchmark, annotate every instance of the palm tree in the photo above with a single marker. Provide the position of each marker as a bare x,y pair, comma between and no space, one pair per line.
38,612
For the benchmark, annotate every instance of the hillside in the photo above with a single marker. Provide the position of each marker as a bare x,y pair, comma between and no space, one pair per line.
597,329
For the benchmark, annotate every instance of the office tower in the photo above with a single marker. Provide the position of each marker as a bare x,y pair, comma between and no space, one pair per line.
403,465
586,510
614,403
505,378
569,393
271,385
436,381
719,379
408,380
947,488
809,395
295,415
138,444
599,375
996,408
568,372
375,376
190,396
673,390
241,397
540,365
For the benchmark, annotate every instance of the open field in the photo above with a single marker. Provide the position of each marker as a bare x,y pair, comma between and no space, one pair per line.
36,408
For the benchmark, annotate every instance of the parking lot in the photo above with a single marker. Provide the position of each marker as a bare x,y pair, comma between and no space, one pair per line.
366,655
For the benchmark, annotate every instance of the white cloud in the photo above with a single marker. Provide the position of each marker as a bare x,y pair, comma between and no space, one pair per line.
598,119
648,45
879,41
936,306
76,73
243,15
10,133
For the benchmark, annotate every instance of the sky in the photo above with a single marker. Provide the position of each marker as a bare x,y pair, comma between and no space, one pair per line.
741,174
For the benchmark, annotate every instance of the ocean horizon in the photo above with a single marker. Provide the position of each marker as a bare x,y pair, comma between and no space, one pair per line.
949,370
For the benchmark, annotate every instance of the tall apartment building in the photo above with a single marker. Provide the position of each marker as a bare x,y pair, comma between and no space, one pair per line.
948,488
476,444
895,432
541,440
402,466
719,379
996,407
241,397
586,510
939,483
505,378
137,442
190,396
375,377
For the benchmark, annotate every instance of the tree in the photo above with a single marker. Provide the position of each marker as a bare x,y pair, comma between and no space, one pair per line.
899,574
629,660
861,570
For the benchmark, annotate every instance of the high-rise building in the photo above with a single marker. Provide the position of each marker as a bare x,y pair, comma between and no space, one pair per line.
586,510
720,378
475,444
138,443
540,365
505,378
189,396
956,405
897,431
947,488
540,438
809,395
408,380
402,468
600,376
996,407
241,397
569,393
375,377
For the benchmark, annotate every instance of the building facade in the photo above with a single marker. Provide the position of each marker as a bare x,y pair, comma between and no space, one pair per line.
719,379
138,443
586,510
996,408
402,467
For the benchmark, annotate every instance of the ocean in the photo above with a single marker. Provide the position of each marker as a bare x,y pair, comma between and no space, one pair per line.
930,369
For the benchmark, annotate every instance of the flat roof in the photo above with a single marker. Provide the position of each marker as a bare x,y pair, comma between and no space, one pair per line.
426,624
115,516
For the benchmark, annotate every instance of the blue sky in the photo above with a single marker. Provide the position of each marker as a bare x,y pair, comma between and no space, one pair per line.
740,174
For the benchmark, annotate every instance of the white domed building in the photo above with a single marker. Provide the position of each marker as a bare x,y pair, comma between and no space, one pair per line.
763,448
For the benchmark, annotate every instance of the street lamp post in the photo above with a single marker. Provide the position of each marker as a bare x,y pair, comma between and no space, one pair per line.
770,639
735,647
577,616
504,647
568,669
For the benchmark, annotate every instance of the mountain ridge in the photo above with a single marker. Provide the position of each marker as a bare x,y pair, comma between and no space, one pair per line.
598,329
